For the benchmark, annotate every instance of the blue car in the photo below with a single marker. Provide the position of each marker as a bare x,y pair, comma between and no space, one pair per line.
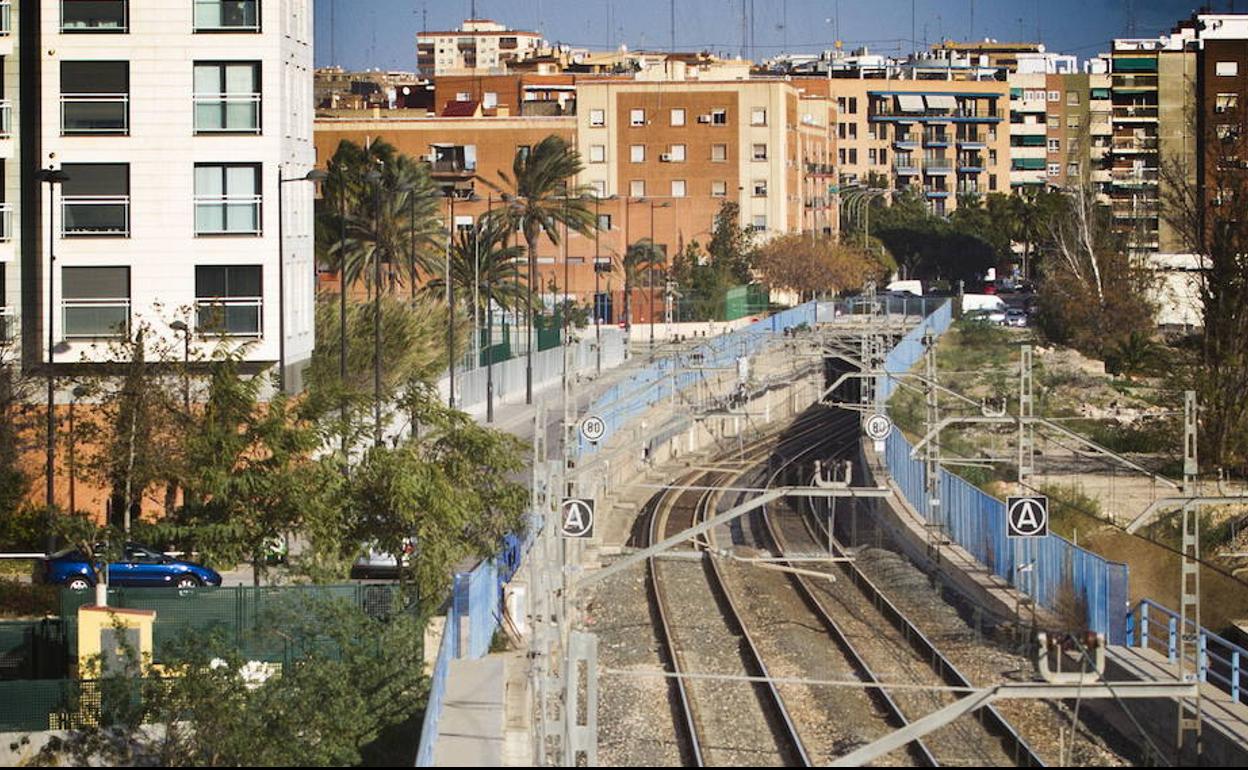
139,567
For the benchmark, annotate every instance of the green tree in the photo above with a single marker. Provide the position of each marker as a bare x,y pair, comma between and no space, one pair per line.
449,490
732,246
388,207
540,197
350,678
641,262
482,257
17,422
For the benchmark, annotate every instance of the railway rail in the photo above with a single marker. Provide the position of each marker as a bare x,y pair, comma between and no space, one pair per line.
756,724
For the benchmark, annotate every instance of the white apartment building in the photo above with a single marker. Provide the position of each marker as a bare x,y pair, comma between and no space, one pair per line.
479,46
9,190
175,123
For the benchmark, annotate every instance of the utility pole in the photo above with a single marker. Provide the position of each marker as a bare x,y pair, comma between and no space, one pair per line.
1190,715
1023,556
931,453
672,21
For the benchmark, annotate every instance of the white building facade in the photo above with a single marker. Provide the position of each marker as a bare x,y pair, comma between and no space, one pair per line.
174,123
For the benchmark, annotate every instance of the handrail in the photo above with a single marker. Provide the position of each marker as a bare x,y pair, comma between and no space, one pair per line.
224,303
110,302
1218,659
70,201
223,201
196,26
122,125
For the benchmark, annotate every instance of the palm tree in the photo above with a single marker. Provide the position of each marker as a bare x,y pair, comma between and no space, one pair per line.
539,198
392,211
642,258
482,258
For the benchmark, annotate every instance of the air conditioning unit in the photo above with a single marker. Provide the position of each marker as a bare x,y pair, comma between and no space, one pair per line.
428,158
704,118
665,157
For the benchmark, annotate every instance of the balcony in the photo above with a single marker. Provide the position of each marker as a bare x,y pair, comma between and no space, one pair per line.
8,323
1135,144
110,16
1139,83
935,191
1130,177
908,141
936,139
6,18
1135,112
972,140
227,114
229,317
227,214
95,215
6,119
905,166
95,114
227,16
968,189
6,226
95,318
973,163
937,165
453,167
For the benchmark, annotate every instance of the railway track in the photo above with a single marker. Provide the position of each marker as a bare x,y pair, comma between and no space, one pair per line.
714,616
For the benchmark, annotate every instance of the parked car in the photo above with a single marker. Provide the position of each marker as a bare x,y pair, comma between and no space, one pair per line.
376,565
1015,317
139,567
986,316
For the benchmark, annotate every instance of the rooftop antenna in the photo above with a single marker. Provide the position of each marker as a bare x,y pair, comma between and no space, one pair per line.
672,19
972,33
745,29
914,14
473,12
333,47
610,28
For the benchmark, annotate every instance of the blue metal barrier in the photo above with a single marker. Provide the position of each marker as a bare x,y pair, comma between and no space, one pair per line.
976,521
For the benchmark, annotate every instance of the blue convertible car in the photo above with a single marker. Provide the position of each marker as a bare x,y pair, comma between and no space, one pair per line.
139,566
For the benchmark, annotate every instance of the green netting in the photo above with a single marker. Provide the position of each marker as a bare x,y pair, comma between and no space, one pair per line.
32,649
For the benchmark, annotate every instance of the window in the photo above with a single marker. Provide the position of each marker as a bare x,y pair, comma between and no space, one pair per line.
228,300
1055,169
759,223
463,96
842,131
597,153
760,188
637,188
637,117
676,153
992,182
678,117
678,188
1227,132
853,155
227,15
719,189
637,153
1072,169
853,105
600,188
604,222
227,199
992,157
227,97
1226,102
758,117
95,301
490,101
522,151
95,200
1055,96
883,156
760,152
719,117
1072,98
1072,121
1226,69
95,97
1055,145
853,130
597,118
871,156
840,156
719,153
93,15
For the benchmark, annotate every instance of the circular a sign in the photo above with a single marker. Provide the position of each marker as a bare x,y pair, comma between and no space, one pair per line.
577,518
593,428
1027,516
878,427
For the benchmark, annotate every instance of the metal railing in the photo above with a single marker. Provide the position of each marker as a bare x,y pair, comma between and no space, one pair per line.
229,317
6,118
95,318
1135,143
6,222
227,113
95,114
1219,661
216,214
453,167
85,215
226,16
8,323
1131,112
6,18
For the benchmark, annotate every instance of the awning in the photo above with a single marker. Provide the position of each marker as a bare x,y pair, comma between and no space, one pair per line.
941,102
909,103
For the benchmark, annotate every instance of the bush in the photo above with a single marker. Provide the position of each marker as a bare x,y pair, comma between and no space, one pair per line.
24,600
24,530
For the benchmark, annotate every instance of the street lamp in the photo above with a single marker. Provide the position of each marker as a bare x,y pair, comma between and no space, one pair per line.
314,176
375,177
650,267
628,300
184,330
79,392
597,256
450,296
342,308
51,177
489,320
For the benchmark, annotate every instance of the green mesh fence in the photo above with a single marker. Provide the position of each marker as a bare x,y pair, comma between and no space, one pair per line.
32,649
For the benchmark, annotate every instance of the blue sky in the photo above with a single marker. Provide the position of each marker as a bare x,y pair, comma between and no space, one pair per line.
382,33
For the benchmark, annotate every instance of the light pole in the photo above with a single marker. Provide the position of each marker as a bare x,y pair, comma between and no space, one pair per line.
628,300
314,176
79,392
376,177
51,177
489,320
342,310
598,255
185,331
650,267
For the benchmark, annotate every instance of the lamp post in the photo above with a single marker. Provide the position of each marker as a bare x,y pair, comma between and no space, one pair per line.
650,267
51,177
342,309
79,392
628,300
185,331
375,176
598,255
489,321
314,176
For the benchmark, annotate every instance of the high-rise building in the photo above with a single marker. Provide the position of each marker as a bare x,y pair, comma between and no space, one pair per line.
479,46
181,129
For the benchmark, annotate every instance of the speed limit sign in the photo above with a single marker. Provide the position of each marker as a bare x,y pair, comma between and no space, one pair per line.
593,428
878,427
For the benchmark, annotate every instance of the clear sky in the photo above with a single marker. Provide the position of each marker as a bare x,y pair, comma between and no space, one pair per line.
382,33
